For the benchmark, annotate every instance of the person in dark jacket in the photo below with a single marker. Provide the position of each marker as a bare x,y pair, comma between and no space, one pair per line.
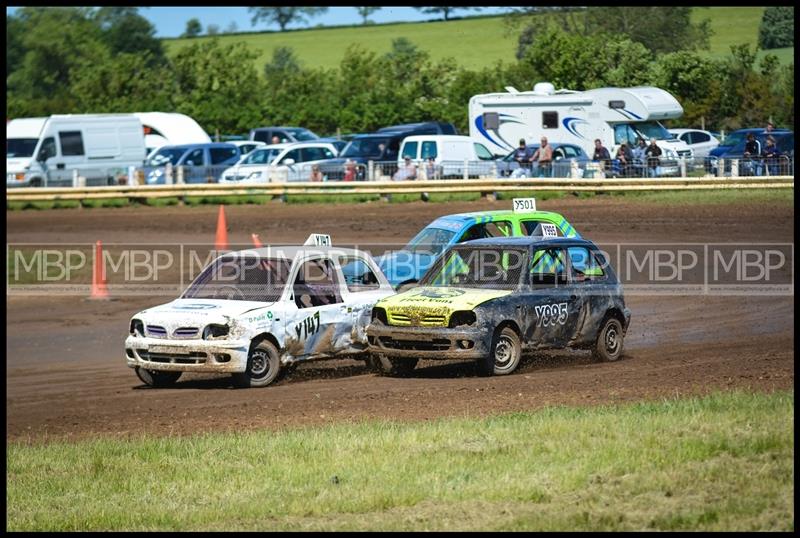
625,160
751,158
523,156
601,154
653,154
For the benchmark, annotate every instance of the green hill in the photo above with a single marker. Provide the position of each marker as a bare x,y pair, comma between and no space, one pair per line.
473,42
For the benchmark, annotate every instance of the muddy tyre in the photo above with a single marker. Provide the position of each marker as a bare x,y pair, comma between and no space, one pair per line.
504,354
157,379
393,366
263,366
608,346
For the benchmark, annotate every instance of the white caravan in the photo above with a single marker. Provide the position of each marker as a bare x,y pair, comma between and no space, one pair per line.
47,151
170,128
614,115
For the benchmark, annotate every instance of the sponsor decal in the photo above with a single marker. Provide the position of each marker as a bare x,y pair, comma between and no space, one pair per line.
196,306
549,315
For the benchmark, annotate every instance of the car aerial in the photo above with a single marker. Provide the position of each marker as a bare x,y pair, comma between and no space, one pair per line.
279,162
405,267
561,166
754,165
701,142
491,299
256,312
204,162
284,134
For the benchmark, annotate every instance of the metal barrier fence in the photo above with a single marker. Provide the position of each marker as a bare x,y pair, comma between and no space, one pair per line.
415,171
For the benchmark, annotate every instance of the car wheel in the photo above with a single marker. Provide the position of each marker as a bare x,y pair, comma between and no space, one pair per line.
263,366
393,366
504,354
608,346
155,378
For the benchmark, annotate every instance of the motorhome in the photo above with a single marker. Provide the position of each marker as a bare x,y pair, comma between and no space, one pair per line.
170,128
614,115
48,151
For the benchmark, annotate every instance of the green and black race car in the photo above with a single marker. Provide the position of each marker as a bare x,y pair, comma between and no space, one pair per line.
491,299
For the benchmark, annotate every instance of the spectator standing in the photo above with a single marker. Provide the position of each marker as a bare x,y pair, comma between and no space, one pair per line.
625,159
770,127
408,171
771,156
601,155
431,171
522,156
544,157
653,154
639,156
752,152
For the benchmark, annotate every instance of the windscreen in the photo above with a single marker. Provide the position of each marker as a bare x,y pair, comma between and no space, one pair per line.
261,156
241,278
365,147
496,268
652,129
20,147
302,135
430,241
164,156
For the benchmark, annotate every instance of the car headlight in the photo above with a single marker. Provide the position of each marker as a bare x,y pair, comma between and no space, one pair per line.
462,317
671,154
137,327
254,175
214,331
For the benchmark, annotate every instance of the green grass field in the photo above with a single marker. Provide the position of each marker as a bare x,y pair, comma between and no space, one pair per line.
473,42
721,462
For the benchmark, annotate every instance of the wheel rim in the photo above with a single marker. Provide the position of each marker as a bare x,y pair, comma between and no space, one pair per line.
259,364
504,353
612,340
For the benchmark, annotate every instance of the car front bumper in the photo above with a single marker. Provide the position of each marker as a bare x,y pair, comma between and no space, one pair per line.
195,355
427,342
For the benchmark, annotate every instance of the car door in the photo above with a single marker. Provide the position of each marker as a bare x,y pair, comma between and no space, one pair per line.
554,308
317,322
363,289
221,158
194,166
596,291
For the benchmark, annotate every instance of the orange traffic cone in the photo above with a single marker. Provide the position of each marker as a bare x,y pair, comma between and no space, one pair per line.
99,290
256,241
221,242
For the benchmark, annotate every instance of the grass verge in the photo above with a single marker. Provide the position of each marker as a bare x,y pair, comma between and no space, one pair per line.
720,462
716,196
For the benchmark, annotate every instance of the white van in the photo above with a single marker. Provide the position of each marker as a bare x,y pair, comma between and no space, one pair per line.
170,129
46,151
449,152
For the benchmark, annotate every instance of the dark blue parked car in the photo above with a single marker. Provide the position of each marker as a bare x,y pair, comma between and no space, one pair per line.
755,165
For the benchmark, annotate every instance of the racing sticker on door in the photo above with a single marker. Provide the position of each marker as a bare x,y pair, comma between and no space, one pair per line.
549,315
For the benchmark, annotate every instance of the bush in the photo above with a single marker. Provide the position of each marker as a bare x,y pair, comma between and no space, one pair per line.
777,28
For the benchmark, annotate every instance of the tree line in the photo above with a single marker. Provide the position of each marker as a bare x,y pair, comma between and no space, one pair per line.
84,60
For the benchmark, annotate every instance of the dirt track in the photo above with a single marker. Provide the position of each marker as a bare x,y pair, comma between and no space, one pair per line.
66,374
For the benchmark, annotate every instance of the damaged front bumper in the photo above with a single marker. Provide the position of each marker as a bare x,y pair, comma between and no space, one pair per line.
427,342
209,356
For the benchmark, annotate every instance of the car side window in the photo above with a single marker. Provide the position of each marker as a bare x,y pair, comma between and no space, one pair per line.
558,154
483,153
48,149
536,228
428,150
294,154
698,138
195,158
357,275
547,268
314,153
500,228
316,284
570,152
585,265
219,155
71,143
410,150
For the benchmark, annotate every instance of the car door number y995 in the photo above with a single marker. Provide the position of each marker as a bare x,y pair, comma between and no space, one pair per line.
550,314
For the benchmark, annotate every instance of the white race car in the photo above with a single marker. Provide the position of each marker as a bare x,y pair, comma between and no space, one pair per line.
254,312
